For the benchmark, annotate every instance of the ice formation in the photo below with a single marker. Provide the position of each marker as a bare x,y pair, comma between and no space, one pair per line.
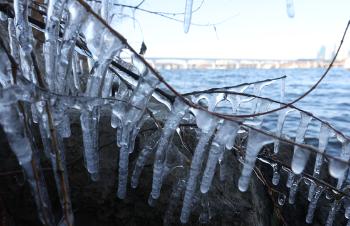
83,70
300,155
188,15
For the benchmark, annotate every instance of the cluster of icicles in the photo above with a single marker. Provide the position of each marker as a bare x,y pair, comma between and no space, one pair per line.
26,99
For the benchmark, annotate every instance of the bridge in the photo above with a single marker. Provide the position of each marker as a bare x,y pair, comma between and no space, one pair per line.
214,63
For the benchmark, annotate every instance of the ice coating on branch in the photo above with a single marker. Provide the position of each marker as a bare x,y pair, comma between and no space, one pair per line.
235,100
177,113
290,8
207,130
333,211
211,99
188,15
225,134
256,141
300,155
257,92
337,169
275,170
313,204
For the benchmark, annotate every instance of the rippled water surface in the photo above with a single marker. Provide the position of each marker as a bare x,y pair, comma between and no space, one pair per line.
330,101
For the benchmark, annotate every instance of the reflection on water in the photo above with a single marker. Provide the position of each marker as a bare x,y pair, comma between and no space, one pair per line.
330,101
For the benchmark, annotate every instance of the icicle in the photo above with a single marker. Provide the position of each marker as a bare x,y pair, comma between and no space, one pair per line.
290,179
275,175
207,130
223,166
257,92
188,15
104,46
76,71
12,125
142,158
77,16
107,85
235,100
89,125
24,36
290,8
256,141
322,143
131,114
51,50
226,133
300,155
275,171
280,122
293,189
172,122
281,199
337,169
313,203
333,211
347,211
119,107
14,45
174,200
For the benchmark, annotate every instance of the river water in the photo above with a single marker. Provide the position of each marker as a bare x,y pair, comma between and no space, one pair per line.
330,101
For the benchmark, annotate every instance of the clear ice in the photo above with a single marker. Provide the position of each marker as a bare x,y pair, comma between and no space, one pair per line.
188,15
256,141
300,155
177,113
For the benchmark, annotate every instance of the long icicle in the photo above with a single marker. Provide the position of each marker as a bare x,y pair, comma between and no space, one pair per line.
177,113
131,114
256,141
207,131
322,143
188,15
301,156
21,146
313,203
226,134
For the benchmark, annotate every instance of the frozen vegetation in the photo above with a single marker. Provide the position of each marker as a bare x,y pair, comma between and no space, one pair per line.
79,37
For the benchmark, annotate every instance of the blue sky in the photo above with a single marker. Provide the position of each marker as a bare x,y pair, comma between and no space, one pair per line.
257,29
